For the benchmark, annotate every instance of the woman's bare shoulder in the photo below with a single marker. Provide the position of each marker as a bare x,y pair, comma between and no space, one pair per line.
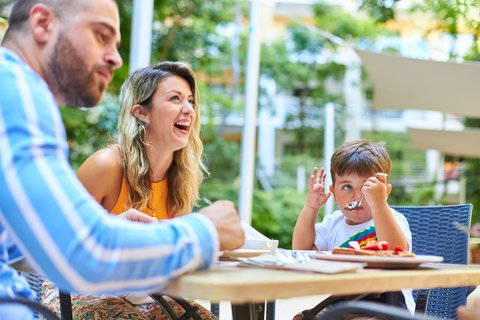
102,174
108,158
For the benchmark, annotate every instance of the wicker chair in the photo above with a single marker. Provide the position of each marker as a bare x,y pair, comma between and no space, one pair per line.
435,231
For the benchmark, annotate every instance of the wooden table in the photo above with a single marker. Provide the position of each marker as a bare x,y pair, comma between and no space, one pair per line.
253,285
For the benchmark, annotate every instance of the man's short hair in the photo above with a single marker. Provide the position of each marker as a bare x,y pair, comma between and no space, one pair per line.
21,11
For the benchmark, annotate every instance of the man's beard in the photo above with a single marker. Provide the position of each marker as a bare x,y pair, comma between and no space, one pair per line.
69,77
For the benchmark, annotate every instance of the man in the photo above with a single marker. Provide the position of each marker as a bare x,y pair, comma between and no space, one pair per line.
64,52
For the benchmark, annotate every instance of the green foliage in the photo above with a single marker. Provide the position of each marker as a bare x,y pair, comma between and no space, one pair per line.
286,206
472,173
335,20
380,10
125,11
286,176
294,67
182,31
273,213
89,129
3,27
187,30
473,187
3,5
222,159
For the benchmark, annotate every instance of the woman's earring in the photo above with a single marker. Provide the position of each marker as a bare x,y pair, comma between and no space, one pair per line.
143,123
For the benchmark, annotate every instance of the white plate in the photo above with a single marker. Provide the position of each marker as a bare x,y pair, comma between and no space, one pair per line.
243,253
379,262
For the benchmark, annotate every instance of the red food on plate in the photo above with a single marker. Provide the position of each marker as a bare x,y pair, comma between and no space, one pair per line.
373,248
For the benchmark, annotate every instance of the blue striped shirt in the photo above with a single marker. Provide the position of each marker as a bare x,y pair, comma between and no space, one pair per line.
63,232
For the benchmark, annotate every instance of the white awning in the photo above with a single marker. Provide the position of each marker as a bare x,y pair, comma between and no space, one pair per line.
403,83
464,143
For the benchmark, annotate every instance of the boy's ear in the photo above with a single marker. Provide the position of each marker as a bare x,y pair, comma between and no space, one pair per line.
389,189
332,192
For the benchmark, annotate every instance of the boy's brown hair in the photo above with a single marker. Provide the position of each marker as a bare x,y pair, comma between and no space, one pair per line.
360,157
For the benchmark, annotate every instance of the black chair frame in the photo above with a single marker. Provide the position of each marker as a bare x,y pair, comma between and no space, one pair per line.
370,309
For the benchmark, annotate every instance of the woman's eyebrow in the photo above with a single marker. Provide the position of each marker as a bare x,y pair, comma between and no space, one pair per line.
179,92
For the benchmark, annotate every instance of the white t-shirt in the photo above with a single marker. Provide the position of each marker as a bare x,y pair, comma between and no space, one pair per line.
334,231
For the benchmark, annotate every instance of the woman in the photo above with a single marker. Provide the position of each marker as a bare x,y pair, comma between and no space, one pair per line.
155,168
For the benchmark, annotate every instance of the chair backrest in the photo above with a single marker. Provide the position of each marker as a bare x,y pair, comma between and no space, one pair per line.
435,231
35,281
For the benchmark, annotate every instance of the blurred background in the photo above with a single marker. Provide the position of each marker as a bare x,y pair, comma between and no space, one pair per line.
303,71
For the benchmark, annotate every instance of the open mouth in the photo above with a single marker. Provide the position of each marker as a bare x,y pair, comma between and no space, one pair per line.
183,125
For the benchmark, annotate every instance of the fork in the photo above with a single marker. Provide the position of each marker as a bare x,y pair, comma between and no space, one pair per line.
291,256
301,256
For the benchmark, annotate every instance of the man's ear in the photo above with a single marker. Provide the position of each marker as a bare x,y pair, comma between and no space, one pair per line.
41,22
139,112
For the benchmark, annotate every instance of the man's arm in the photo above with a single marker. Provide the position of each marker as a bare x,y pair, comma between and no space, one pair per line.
65,234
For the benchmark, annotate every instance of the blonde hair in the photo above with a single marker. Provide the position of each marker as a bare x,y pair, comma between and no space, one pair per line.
186,171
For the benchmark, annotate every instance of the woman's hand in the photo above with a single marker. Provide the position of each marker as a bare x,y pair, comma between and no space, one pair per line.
137,216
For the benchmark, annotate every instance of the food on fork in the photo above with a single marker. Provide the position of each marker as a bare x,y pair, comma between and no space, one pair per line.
373,248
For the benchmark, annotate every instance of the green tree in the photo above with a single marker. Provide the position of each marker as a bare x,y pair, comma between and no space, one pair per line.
351,28
380,10
3,27
294,66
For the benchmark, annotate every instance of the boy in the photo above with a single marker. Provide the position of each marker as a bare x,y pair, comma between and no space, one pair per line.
357,168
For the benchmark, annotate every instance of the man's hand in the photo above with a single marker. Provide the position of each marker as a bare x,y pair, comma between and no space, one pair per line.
227,221
137,216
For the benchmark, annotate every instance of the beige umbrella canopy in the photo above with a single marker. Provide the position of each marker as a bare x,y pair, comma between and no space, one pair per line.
403,83
464,143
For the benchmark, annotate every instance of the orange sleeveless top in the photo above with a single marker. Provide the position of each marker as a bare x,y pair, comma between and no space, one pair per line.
157,205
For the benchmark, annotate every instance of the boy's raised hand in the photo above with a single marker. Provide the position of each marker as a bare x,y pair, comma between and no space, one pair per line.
316,195
376,189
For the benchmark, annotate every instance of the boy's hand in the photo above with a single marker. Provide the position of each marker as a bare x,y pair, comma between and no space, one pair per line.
376,189
316,195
